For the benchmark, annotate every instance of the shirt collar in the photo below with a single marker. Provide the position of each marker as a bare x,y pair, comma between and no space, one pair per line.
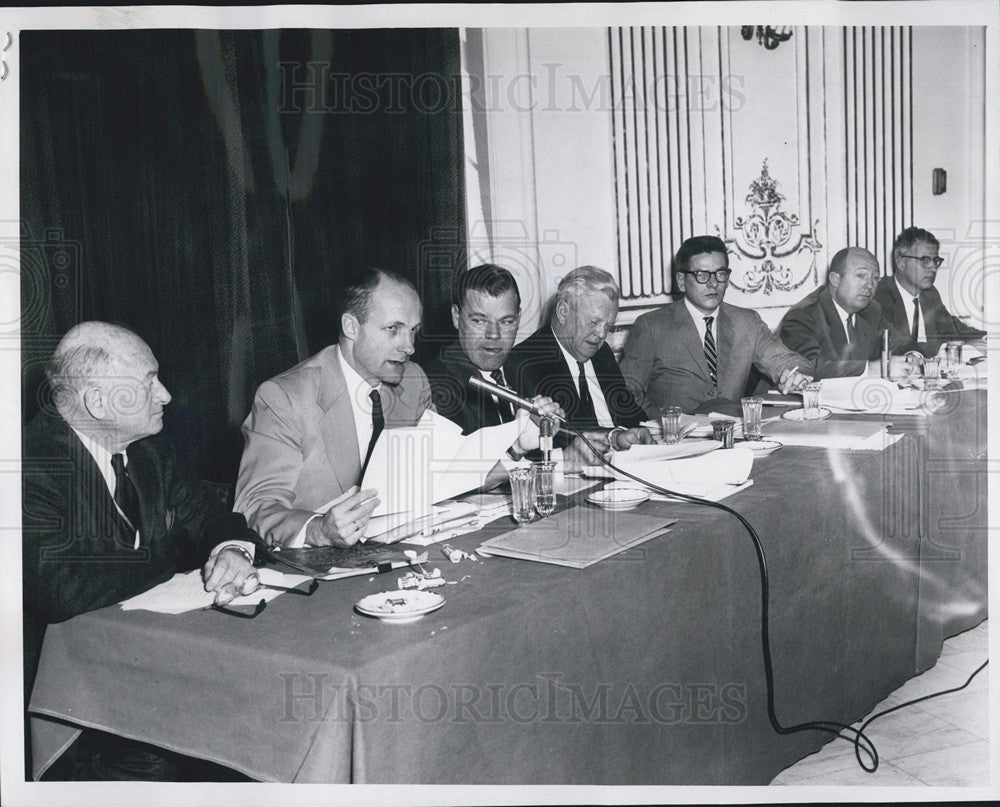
844,316
570,361
355,382
699,316
903,292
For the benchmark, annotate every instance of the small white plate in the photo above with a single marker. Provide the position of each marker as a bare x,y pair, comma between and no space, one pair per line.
799,414
619,498
760,448
403,605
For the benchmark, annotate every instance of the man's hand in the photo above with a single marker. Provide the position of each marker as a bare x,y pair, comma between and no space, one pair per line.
577,455
230,574
344,523
527,440
791,380
625,439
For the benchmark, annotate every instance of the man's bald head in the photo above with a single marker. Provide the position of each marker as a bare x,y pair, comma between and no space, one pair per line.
852,278
105,375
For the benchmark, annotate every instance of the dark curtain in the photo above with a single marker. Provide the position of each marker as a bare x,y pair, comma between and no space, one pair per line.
212,190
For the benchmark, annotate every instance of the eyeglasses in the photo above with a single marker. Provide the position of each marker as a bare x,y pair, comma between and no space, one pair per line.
702,276
926,261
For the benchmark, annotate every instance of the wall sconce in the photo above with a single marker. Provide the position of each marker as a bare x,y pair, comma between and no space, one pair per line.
767,35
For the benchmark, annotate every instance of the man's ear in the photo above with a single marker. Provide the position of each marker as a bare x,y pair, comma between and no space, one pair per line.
833,281
94,403
680,281
455,316
349,325
561,311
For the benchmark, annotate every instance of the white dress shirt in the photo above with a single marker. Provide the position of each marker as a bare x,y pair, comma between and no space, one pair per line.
699,322
359,393
908,305
593,385
103,459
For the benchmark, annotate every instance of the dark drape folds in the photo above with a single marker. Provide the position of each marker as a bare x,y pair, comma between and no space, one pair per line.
212,190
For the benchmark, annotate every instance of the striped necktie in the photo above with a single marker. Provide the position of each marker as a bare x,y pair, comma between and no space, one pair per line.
504,408
710,355
125,494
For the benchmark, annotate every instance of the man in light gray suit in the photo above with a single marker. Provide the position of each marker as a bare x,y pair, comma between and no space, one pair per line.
697,353
312,428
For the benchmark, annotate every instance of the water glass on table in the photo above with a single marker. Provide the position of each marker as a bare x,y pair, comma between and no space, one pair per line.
722,430
543,475
810,401
932,372
670,423
751,417
953,358
522,489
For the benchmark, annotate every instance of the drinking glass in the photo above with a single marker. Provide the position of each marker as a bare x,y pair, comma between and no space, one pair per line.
543,474
670,423
932,372
751,417
522,490
810,401
953,352
723,430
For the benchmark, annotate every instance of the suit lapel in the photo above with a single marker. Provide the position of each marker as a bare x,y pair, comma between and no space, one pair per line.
864,331
834,327
340,435
724,348
898,308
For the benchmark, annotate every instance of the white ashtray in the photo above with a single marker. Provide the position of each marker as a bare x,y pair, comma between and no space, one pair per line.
760,448
615,497
401,605
800,415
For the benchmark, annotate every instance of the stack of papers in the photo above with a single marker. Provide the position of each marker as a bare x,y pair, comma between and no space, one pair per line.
855,435
185,591
871,395
714,475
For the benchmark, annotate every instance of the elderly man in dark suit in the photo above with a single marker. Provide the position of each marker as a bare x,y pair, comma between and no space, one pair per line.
108,514
486,311
569,360
909,299
837,327
697,353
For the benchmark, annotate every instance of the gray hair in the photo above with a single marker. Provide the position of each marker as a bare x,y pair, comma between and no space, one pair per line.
87,351
591,279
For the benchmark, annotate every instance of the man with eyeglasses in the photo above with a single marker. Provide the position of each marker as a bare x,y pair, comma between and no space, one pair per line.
909,299
486,312
697,353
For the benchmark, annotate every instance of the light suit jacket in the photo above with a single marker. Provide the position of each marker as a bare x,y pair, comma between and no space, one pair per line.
301,442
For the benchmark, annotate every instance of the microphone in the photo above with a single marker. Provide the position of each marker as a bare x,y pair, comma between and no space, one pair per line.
507,395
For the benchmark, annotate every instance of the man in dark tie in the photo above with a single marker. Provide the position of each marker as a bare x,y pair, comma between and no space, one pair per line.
312,429
108,514
837,328
569,360
697,353
909,299
486,312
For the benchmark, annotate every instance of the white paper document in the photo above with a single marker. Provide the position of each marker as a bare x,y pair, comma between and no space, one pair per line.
185,591
708,474
414,468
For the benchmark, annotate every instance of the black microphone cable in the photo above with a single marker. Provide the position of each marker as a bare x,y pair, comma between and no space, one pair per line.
831,727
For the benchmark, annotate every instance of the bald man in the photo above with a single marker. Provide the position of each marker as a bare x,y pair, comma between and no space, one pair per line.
837,326
107,513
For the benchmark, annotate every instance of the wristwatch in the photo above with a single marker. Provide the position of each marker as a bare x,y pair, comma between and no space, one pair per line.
514,455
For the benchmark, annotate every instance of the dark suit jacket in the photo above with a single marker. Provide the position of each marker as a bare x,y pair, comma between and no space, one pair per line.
469,407
664,362
940,325
814,330
537,367
77,551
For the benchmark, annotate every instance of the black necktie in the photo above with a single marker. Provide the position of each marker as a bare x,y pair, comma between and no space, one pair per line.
710,355
586,417
378,423
504,408
850,329
914,329
125,496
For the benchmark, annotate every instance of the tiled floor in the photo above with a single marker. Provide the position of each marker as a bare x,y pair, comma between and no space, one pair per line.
943,741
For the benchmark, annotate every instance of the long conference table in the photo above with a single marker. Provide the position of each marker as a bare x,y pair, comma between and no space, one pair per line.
645,668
